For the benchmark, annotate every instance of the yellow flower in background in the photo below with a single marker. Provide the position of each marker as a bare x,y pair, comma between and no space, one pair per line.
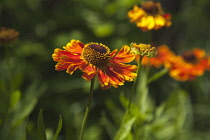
149,16
8,35
96,59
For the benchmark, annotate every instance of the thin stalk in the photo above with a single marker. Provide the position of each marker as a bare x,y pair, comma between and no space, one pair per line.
157,75
9,69
130,100
136,81
143,89
87,109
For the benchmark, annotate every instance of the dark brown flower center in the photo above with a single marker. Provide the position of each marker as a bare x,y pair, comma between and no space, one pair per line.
96,54
151,7
189,57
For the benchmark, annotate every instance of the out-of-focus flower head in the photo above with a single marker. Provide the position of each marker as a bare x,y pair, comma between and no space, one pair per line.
189,65
8,35
95,59
183,67
143,50
149,16
162,57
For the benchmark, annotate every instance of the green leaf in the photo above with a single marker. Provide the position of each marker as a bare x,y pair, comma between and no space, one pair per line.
41,129
173,117
14,99
58,129
22,109
108,126
125,128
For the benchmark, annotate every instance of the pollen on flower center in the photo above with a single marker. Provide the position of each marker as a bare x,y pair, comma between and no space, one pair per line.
150,7
96,54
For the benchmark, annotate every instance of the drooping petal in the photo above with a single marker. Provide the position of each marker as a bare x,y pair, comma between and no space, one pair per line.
159,21
205,63
89,69
65,61
61,66
88,77
199,53
147,22
113,53
103,78
125,55
58,53
71,58
115,78
128,71
136,13
73,67
74,46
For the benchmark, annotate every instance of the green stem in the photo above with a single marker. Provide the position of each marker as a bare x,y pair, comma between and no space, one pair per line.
87,109
9,69
142,90
136,81
157,75
130,101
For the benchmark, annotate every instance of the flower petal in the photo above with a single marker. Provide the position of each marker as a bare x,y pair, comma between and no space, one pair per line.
65,61
103,79
74,46
126,70
58,53
115,78
159,21
136,13
88,77
113,53
125,55
89,69
74,66
199,53
147,22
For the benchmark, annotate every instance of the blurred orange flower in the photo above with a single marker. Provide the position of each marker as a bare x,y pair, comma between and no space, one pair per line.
96,59
183,67
149,16
189,65
164,54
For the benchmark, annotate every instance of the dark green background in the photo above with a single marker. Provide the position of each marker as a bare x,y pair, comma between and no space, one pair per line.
48,24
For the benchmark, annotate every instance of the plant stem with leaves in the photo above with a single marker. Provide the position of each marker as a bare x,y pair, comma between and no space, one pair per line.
128,119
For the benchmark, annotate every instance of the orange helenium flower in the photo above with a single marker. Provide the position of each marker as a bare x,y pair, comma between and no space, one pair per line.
96,59
149,16
189,65
164,55
183,67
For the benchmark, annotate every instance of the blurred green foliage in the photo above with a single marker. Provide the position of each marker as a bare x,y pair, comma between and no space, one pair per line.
28,81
